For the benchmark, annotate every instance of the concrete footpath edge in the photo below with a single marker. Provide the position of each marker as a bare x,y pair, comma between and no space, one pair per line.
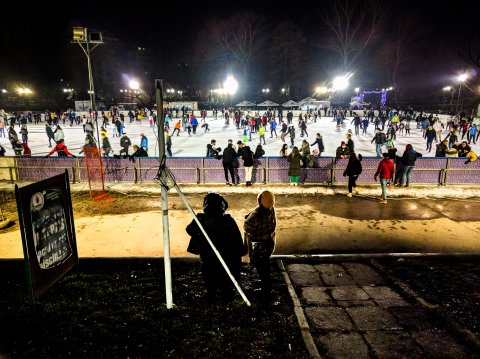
298,310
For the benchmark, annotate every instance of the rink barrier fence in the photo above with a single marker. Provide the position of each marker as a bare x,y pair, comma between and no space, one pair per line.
199,170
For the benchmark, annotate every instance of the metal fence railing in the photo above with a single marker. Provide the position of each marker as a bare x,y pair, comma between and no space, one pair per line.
197,170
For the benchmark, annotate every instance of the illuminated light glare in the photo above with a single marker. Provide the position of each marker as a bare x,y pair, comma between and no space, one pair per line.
357,89
230,85
447,88
340,83
4,91
133,84
462,77
283,90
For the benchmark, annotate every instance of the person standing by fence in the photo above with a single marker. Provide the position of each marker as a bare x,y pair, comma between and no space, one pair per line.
294,159
409,158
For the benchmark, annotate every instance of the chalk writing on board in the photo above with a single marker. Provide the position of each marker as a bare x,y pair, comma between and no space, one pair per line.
49,224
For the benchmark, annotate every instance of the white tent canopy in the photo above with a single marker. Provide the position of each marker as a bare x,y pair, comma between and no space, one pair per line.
245,104
307,100
359,103
268,103
290,103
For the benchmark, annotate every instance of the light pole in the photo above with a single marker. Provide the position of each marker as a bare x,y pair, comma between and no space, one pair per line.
22,91
461,79
82,37
230,87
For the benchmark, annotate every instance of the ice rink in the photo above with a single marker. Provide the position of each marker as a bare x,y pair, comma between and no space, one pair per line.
196,144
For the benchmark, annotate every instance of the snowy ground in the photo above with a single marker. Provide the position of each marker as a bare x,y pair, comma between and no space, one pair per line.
195,145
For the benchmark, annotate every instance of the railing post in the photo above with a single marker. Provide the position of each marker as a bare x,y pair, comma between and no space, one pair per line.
203,171
267,171
198,175
332,172
445,177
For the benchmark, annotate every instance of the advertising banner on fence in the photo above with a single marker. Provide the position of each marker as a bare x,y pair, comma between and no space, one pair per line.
48,233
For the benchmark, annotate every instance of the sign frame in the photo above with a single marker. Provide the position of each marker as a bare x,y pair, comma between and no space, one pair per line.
45,215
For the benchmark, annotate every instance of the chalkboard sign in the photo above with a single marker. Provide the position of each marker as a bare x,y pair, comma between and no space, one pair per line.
48,233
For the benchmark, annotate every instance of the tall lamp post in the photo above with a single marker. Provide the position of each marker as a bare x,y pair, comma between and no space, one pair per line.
230,86
461,79
84,39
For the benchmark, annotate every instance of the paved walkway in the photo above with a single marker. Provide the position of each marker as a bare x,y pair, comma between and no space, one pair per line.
350,310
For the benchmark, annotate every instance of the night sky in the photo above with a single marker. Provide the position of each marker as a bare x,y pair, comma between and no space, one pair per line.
34,41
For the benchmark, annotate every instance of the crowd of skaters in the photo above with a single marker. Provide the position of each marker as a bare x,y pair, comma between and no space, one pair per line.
452,138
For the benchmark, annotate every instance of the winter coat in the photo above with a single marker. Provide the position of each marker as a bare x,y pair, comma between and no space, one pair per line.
319,140
354,167
385,169
380,138
125,142
342,151
410,157
247,157
294,167
260,232
224,233
229,154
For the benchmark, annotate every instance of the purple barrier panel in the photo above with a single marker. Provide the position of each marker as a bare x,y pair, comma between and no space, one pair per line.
118,169
319,173
369,167
148,168
459,172
39,168
184,169
115,169
459,162
214,172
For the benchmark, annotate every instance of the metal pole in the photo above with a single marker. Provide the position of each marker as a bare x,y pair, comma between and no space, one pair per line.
164,195
458,98
92,90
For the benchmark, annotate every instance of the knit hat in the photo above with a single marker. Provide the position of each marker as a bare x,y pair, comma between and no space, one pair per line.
266,199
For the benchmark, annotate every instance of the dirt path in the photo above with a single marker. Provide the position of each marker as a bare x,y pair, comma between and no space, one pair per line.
132,225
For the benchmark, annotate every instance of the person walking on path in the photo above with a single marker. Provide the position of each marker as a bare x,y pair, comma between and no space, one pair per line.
260,236
294,159
353,170
409,158
228,157
225,235
385,172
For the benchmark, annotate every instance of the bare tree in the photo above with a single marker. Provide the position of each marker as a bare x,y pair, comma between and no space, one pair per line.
231,43
287,53
396,51
353,25
470,52
241,38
